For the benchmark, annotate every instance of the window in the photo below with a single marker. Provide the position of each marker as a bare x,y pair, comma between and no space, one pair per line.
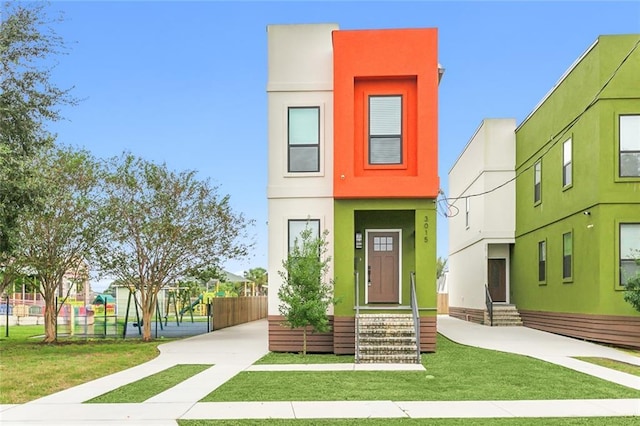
296,226
629,251
566,163
467,208
567,255
304,139
537,182
542,261
385,129
630,146
382,243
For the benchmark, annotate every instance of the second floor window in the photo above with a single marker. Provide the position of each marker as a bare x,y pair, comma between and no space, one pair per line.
385,129
630,146
303,139
566,163
537,182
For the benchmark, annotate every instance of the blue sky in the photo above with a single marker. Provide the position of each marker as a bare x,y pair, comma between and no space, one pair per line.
185,82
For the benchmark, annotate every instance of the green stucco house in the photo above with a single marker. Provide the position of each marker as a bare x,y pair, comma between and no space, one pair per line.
577,227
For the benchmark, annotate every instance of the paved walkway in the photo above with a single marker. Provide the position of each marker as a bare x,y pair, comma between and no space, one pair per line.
235,349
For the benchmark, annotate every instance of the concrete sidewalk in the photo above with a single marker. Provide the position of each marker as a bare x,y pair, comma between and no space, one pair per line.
235,349
542,345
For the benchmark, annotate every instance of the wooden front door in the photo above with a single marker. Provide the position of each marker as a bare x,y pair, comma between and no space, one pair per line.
383,267
498,279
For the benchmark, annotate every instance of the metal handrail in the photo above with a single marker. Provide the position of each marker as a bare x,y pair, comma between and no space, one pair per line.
357,319
416,315
489,302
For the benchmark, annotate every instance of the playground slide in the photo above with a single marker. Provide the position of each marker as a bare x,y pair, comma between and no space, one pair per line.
191,306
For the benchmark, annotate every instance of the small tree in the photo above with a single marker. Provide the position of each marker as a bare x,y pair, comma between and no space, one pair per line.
632,288
258,276
441,264
304,295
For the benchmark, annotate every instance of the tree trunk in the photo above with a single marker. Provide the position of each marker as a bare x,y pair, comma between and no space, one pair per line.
304,341
148,309
146,323
50,317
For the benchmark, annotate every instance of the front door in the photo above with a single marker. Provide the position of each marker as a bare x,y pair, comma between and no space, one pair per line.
498,280
383,266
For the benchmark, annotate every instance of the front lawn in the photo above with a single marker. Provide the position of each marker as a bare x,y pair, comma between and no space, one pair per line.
30,369
454,373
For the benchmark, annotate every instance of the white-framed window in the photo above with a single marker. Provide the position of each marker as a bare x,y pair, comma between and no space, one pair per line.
567,172
296,226
385,129
629,127
467,210
567,256
629,251
542,261
303,139
537,182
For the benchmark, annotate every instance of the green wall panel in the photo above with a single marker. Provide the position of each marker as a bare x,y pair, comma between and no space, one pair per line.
596,188
418,246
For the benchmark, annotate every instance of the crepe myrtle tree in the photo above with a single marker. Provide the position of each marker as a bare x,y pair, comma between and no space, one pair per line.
162,224
305,294
56,239
29,99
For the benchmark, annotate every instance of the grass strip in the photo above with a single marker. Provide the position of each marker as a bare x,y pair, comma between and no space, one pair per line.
150,386
547,421
30,369
454,373
294,358
612,364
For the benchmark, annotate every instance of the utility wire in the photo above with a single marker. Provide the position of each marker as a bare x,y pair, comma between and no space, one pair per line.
558,136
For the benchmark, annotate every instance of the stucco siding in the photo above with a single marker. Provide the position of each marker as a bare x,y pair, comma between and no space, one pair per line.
280,211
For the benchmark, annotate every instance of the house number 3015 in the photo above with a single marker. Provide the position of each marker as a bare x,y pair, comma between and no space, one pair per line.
425,227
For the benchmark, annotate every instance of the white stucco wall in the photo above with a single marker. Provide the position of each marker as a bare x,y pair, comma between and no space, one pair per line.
487,162
280,212
300,74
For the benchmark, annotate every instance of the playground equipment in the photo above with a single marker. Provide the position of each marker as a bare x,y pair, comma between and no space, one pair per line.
177,297
176,300
190,307
133,295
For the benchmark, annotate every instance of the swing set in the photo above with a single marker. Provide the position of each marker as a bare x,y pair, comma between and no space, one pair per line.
174,297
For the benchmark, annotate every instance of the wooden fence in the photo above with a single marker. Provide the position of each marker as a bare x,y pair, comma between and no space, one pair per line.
229,311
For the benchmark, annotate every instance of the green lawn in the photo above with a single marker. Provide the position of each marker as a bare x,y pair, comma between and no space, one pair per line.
454,373
613,364
564,421
150,386
30,369
293,358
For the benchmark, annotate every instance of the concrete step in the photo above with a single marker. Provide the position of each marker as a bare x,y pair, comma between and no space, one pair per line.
386,338
388,359
504,316
388,350
387,332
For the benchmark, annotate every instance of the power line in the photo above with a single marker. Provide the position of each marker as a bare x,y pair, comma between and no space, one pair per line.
555,138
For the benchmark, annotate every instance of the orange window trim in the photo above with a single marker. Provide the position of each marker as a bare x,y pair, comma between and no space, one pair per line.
364,88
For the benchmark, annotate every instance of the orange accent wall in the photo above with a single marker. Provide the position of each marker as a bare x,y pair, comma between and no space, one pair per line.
402,61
